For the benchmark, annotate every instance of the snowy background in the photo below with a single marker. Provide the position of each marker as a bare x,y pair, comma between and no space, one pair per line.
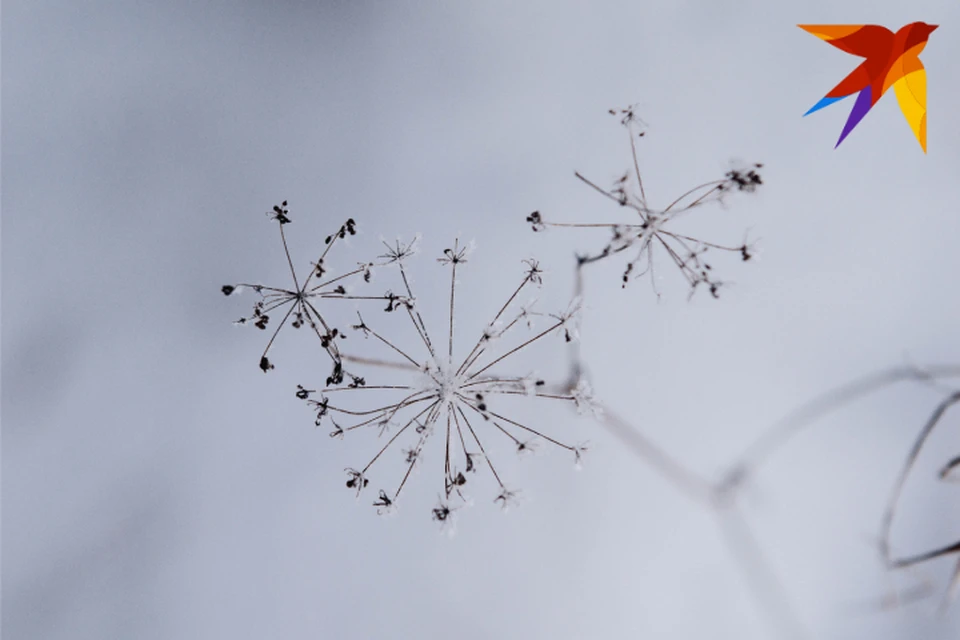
157,485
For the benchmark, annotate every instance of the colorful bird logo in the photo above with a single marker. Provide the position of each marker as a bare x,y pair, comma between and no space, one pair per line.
891,60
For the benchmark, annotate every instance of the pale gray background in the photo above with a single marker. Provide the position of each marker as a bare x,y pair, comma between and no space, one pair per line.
157,485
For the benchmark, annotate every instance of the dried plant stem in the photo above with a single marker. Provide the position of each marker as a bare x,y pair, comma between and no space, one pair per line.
369,387
415,316
377,362
415,457
477,351
514,423
276,331
286,251
600,189
400,351
900,563
953,588
894,500
479,444
327,283
636,168
397,435
453,289
525,344
686,481
762,581
788,427
406,402
711,187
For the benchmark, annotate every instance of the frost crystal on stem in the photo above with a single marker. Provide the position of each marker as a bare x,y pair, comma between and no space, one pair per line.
583,398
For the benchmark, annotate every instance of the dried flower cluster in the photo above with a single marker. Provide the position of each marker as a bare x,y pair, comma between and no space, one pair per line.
457,400
444,397
441,395
650,231
300,302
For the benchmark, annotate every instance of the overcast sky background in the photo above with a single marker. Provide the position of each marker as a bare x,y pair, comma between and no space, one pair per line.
157,485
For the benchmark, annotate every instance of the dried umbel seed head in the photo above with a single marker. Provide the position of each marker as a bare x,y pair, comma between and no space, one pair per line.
651,231
300,305
280,213
743,180
453,398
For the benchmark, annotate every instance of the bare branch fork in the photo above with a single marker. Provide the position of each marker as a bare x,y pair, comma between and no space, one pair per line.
890,512
804,417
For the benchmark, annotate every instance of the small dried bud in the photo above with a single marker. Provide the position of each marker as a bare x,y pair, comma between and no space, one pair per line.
383,502
265,364
536,221
302,393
